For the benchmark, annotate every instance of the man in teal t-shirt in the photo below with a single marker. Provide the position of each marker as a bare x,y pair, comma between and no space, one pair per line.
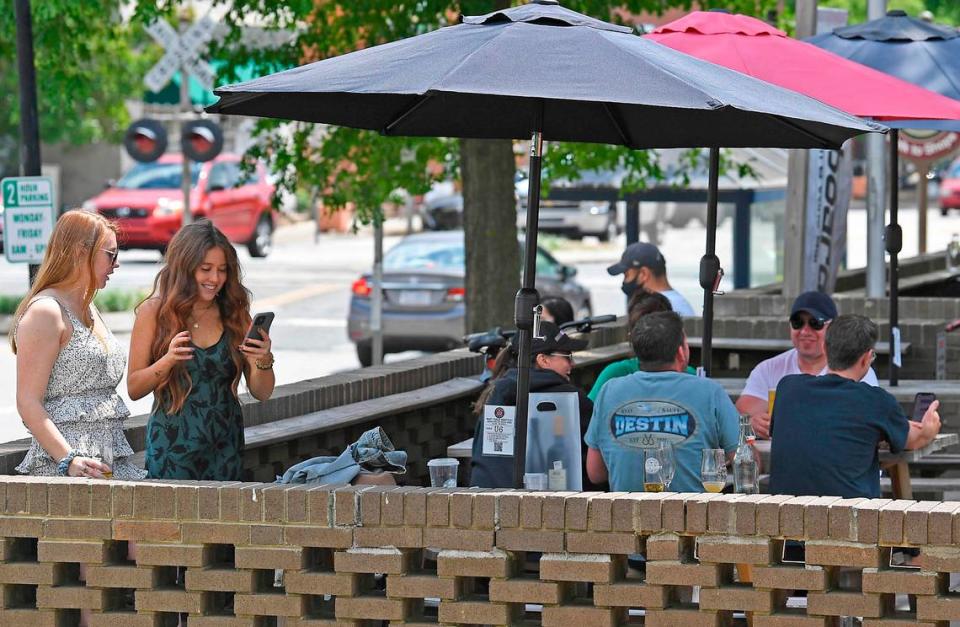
617,369
660,402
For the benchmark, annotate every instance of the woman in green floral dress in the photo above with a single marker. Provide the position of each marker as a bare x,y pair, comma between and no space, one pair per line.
188,347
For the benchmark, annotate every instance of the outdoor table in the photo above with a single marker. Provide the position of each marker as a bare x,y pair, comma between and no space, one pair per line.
461,450
896,463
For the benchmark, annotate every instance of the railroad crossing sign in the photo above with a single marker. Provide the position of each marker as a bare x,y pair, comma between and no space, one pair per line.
182,51
28,217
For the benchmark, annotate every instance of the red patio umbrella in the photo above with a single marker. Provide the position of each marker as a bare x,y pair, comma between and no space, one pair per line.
755,48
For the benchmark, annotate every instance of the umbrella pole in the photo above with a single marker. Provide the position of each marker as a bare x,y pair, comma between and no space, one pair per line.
710,263
894,239
527,299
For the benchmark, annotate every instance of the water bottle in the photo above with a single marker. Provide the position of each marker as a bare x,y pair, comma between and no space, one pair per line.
953,253
746,475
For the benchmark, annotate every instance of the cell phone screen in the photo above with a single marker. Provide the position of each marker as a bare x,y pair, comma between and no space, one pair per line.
920,404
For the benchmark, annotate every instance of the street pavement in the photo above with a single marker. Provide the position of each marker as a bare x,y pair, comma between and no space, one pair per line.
307,284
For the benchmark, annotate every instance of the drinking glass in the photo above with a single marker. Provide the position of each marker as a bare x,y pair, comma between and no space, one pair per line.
667,462
652,471
106,455
443,472
713,469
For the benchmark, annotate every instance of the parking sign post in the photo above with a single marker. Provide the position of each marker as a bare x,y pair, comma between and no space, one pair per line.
29,118
28,219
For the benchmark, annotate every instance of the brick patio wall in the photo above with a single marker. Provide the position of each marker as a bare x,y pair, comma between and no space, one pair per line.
261,554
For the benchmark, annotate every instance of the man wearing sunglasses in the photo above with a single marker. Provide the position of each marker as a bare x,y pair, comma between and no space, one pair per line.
810,316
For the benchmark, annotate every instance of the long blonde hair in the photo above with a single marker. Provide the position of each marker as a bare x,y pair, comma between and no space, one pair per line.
176,288
69,260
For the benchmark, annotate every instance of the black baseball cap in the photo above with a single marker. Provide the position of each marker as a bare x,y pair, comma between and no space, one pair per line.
638,255
554,340
817,304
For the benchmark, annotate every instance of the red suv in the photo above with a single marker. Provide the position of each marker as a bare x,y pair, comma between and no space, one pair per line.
950,188
147,202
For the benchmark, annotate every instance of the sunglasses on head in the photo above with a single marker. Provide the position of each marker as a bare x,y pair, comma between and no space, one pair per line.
797,322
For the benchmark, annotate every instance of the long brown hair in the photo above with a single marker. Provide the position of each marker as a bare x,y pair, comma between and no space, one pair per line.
69,260
176,288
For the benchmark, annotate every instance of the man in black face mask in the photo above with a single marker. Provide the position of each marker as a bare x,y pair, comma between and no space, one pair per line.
642,266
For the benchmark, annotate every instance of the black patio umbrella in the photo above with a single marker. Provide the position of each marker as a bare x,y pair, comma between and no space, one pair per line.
543,72
918,52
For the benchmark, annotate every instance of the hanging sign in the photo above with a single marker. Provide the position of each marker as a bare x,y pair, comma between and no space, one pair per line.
927,145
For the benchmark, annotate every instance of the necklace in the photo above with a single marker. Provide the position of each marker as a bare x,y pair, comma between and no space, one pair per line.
196,322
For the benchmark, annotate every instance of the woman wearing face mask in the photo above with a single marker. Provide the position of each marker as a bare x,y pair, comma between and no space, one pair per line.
643,267
188,348
68,362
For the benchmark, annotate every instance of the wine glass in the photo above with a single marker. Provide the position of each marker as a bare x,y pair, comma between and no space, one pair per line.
713,469
667,462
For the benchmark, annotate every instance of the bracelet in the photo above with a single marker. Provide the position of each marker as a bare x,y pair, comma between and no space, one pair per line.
261,366
64,464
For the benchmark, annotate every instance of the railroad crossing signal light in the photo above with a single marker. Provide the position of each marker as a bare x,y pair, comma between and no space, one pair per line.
201,140
145,140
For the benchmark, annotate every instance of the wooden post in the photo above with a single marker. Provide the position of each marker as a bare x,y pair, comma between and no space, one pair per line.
922,170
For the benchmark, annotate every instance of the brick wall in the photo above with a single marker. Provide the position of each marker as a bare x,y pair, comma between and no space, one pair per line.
260,554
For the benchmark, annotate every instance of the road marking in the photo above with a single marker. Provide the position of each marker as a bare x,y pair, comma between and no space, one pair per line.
293,296
324,323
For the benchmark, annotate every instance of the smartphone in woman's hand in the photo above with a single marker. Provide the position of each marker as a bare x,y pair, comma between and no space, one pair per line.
260,321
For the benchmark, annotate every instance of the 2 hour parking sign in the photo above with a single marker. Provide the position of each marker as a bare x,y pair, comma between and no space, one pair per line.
27,218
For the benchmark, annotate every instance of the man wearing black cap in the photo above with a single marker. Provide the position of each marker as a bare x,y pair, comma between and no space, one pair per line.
552,354
810,316
642,266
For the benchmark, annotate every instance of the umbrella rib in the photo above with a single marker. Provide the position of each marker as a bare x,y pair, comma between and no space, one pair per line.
943,70
824,145
617,121
419,102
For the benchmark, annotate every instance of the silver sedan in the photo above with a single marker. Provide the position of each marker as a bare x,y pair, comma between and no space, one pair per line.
423,305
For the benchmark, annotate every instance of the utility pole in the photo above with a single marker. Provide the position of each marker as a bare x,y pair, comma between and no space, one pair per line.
29,118
185,110
876,184
183,50
798,165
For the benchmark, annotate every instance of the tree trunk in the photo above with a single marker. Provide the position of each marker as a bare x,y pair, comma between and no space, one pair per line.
490,232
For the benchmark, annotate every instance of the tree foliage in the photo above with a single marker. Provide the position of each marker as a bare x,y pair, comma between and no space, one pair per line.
944,11
362,167
86,64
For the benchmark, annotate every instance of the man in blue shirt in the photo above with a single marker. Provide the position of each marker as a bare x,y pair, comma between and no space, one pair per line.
659,403
827,428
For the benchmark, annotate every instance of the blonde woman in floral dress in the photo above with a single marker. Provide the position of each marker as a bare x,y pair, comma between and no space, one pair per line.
68,362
